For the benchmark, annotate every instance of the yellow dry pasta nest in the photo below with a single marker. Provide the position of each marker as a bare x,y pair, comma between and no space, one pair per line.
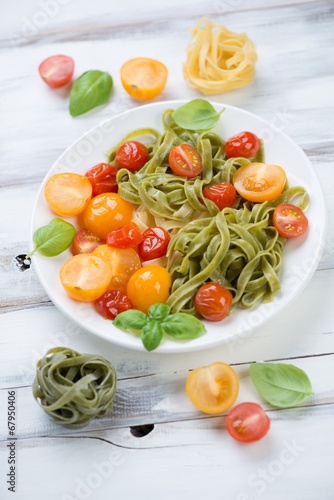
218,60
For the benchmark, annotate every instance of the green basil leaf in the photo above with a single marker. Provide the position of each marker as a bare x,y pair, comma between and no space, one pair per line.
131,319
158,311
151,335
197,115
183,326
90,90
53,239
279,384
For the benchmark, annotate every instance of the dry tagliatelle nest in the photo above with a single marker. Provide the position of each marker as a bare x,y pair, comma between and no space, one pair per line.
218,60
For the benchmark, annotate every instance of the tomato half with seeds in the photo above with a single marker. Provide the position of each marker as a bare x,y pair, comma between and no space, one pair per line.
102,178
244,144
68,194
85,242
184,160
131,155
247,422
222,194
155,243
127,236
143,78
213,301
112,303
259,181
57,71
214,388
289,220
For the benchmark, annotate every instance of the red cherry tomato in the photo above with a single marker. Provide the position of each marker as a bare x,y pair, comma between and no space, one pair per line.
212,301
155,243
102,178
112,303
127,236
186,161
85,242
56,71
244,144
247,422
222,194
131,155
290,220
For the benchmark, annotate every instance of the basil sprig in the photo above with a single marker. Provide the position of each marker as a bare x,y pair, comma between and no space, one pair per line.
280,384
91,89
198,115
152,326
53,239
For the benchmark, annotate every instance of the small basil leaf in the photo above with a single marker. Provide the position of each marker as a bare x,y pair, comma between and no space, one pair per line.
183,326
131,319
90,90
279,384
197,115
151,335
53,239
158,311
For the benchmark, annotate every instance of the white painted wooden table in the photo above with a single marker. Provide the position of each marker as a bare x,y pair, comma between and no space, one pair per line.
187,454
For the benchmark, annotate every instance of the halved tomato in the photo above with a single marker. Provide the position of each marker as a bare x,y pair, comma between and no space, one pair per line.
68,194
247,422
85,242
186,161
259,181
290,220
143,78
214,388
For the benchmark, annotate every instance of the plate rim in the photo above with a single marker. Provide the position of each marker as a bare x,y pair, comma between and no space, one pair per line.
173,347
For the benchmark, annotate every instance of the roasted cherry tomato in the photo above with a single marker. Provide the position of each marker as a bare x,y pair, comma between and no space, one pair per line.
214,388
259,181
85,242
106,212
127,236
213,301
112,303
290,220
143,78
147,286
85,277
124,262
247,422
68,194
102,178
132,155
222,194
244,144
56,71
186,161
155,243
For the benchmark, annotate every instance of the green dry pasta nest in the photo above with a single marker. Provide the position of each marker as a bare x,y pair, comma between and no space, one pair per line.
74,388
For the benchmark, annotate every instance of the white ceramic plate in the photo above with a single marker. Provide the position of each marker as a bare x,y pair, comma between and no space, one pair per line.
301,255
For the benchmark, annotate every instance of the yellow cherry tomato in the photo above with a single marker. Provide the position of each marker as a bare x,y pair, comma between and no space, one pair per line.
86,277
214,388
105,213
259,181
147,286
143,78
68,194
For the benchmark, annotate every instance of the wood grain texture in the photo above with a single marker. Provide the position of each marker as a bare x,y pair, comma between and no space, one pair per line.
187,453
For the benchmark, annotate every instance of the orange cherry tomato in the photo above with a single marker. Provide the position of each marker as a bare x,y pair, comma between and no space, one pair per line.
124,262
148,286
290,220
214,388
259,181
85,242
68,194
143,78
85,277
107,212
